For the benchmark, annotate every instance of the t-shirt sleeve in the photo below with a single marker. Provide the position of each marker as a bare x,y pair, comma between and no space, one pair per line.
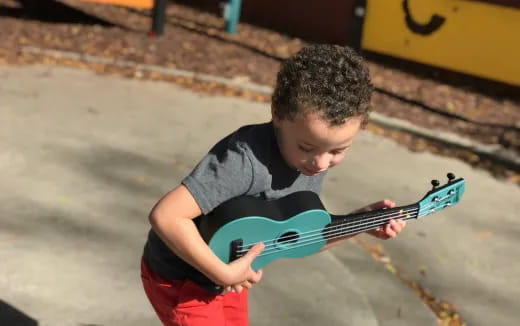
224,173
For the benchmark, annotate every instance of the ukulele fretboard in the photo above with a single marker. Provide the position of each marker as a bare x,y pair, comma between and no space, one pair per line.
359,222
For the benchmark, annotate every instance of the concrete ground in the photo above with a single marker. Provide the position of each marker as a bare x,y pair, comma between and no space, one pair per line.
85,157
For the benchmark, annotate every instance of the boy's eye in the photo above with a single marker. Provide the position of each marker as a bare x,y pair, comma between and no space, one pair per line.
339,151
304,149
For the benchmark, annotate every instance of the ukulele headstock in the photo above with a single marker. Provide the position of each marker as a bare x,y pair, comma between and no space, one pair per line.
441,197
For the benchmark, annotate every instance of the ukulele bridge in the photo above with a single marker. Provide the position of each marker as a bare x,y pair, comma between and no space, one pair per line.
235,248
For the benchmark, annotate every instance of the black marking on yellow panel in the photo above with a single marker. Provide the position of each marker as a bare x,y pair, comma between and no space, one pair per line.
434,24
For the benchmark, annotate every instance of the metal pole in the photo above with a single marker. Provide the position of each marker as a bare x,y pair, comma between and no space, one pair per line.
158,16
232,15
356,25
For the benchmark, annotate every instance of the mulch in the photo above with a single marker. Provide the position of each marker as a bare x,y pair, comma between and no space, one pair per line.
195,40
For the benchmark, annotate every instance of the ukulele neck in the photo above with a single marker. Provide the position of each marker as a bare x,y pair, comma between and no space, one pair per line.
343,225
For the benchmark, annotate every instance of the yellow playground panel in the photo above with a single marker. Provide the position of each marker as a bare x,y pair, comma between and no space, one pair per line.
145,4
479,38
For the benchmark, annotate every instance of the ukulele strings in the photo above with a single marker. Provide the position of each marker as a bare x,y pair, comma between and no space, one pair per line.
350,223
310,242
334,235
340,230
320,236
314,233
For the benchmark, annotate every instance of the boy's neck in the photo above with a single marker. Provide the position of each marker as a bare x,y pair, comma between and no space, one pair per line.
276,134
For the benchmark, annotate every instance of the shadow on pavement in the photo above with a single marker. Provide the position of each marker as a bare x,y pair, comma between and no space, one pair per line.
11,316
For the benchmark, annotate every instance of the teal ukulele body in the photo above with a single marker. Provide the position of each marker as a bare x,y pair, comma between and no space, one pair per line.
298,225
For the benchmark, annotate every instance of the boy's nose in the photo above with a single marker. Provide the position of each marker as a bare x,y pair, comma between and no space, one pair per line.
321,162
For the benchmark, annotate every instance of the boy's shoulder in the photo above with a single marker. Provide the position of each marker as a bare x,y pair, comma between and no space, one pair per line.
254,138
254,133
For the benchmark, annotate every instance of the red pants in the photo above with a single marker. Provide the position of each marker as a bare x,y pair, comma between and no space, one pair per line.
184,303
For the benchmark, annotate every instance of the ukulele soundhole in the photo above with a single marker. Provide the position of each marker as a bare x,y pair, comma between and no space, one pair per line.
288,238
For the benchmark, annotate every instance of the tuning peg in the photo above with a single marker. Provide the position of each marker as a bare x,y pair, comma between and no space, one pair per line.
451,177
435,184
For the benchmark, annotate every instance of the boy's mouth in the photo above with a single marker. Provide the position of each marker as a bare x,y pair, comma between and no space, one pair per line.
312,172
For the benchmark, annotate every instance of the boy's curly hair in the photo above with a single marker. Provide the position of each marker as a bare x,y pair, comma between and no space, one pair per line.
328,79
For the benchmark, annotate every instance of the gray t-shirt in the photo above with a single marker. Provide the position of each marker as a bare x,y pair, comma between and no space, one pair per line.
246,162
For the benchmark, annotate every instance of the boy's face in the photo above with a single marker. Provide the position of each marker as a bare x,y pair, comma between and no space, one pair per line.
311,145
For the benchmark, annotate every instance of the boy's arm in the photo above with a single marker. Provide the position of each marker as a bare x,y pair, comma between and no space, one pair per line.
172,220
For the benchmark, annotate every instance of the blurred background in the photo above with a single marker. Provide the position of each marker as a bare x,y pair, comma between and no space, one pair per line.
446,65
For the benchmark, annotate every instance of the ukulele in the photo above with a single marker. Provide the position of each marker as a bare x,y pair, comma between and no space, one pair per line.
298,225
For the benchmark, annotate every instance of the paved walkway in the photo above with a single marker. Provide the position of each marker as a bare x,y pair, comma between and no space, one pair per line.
85,157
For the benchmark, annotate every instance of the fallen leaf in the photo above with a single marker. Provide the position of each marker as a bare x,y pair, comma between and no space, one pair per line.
484,235
450,106
391,268
422,270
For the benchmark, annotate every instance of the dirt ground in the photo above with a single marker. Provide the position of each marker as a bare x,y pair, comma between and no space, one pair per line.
195,40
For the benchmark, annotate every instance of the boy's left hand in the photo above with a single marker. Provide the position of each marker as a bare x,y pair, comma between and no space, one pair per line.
390,230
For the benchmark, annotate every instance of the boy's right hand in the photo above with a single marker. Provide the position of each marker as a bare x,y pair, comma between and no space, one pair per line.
241,275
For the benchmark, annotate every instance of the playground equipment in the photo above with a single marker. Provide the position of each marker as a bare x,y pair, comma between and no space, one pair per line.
145,4
230,12
478,38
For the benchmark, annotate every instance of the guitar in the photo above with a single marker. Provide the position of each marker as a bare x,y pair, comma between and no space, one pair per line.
298,225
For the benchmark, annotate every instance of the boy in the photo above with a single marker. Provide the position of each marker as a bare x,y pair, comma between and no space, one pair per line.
320,103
